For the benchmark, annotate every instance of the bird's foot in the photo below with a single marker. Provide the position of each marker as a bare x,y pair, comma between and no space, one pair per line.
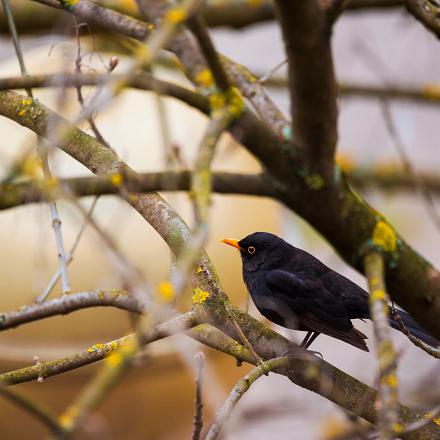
316,353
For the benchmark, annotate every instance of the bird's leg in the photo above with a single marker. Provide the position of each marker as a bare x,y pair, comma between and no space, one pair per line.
311,339
304,342
308,343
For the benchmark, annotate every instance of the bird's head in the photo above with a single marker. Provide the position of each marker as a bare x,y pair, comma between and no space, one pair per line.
261,250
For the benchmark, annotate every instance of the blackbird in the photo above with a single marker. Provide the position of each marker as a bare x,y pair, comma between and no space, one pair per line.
294,289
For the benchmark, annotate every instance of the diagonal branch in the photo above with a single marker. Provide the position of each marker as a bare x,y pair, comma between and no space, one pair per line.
169,225
239,390
93,354
34,408
427,12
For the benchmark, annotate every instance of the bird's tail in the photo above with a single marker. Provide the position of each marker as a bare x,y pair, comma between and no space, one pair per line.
412,327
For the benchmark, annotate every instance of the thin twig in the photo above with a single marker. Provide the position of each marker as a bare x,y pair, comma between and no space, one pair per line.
418,183
386,355
78,71
201,185
238,391
34,408
56,221
433,351
221,118
114,367
379,68
198,415
200,30
43,296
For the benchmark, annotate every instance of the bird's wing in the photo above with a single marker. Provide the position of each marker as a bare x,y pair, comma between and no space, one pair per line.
314,306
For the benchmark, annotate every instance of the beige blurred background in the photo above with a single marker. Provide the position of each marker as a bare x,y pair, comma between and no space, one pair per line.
155,400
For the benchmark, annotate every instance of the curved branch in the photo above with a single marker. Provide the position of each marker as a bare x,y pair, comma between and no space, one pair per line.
66,304
35,409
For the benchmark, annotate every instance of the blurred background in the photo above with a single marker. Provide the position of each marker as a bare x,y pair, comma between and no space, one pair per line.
155,399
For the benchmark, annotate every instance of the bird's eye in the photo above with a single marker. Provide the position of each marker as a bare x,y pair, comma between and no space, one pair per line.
251,250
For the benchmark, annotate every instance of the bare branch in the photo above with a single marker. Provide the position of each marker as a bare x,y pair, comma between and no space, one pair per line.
34,408
16,194
432,351
56,221
238,391
32,17
386,355
427,94
66,304
115,365
427,12
198,416
312,84
93,354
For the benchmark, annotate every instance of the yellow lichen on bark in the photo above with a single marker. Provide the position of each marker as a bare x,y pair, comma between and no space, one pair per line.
384,236
200,296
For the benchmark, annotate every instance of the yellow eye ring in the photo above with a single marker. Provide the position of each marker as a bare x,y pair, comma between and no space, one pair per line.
251,250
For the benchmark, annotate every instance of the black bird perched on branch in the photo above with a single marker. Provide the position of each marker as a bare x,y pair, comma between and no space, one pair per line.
294,289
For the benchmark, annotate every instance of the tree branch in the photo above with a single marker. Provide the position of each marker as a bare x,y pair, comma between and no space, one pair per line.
386,355
312,85
32,17
427,12
424,94
34,408
168,224
93,354
326,380
238,391
66,304
16,194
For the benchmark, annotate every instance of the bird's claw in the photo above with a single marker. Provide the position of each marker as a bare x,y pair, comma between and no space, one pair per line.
317,353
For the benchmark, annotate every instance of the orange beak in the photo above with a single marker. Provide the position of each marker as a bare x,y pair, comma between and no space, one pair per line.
231,242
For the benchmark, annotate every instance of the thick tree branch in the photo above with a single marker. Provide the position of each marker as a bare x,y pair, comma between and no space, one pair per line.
388,178
102,161
32,17
340,387
427,12
407,272
312,85
326,380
